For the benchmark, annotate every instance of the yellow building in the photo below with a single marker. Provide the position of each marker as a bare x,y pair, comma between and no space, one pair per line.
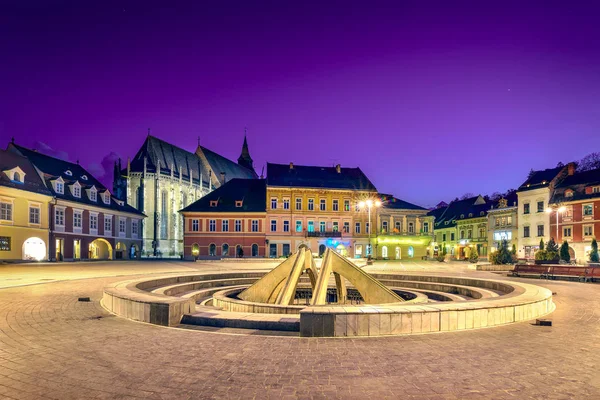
318,207
24,205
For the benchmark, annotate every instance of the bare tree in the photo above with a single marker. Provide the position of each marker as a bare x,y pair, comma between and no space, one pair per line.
466,196
591,161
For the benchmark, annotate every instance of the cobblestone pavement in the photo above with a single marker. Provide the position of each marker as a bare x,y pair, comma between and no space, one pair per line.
52,346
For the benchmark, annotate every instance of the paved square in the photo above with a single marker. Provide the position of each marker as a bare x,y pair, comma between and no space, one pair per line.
52,346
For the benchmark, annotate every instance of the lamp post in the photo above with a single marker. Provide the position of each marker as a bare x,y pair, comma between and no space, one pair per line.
560,209
369,204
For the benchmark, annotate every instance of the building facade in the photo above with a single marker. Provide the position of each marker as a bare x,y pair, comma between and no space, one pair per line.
85,220
533,199
405,230
503,223
319,207
576,203
162,179
24,207
228,222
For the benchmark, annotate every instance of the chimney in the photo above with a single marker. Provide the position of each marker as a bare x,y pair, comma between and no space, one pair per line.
223,178
291,165
571,168
338,169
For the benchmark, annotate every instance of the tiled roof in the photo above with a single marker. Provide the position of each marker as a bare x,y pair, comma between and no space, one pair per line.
252,193
540,179
577,183
317,177
157,150
455,209
32,181
53,168
395,203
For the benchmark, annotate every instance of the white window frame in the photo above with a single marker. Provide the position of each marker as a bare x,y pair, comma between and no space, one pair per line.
273,203
254,225
195,225
122,223
335,205
238,225
591,235
273,225
322,204
212,225
298,223
357,228
108,218
9,207
94,218
286,203
311,204
79,213
224,225
35,206
583,206
134,228
286,226
59,186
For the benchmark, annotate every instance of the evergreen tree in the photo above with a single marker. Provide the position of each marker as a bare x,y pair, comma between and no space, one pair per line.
514,250
594,253
541,244
503,255
473,256
552,251
564,252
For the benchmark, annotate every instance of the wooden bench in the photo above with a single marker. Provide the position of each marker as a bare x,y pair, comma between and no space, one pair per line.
566,271
540,271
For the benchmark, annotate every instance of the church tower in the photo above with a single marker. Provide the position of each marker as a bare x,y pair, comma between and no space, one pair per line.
244,159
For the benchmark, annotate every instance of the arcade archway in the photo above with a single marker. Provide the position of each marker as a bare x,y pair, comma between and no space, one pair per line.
34,249
100,249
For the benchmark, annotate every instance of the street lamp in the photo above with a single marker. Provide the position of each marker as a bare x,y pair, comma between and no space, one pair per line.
369,204
561,210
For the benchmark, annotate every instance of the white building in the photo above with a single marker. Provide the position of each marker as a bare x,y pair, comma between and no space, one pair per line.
162,179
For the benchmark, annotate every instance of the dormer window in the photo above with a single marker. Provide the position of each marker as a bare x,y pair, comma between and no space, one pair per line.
238,203
93,194
568,193
16,175
596,189
213,203
59,186
76,189
84,177
68,173
481,213
446,223
106,197
470,215
462,215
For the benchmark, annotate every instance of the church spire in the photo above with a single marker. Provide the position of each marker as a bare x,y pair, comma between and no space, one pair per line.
244,159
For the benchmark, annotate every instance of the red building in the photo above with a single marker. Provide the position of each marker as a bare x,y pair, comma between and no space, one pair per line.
86,221
576,203
228,222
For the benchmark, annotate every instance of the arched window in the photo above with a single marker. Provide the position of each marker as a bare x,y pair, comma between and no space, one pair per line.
163,214
195,249
411,252
384,252
212,250
397,253
225,250
239,252
17,177
411,227
254,250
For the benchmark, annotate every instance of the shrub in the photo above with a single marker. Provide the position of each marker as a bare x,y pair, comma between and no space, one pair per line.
564,252
473,256
594,253
541,244
503,255
540,255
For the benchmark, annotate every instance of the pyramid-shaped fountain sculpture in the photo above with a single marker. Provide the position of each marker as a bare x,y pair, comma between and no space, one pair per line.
279,285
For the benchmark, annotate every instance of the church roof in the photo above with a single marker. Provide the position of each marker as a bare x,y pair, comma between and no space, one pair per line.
317,177
158,151
53,168
251,192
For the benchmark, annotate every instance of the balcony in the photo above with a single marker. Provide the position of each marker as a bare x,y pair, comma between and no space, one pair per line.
330,234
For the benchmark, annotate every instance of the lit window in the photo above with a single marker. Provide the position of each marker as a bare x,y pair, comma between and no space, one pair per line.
596,189
212,225
346,205
588,230
34,215
195,225
311,226
298,226
588,209
6,211
321,226
346,227
336,227
384,227
568,193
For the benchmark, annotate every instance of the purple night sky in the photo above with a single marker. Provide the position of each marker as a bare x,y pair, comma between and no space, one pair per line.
430,99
